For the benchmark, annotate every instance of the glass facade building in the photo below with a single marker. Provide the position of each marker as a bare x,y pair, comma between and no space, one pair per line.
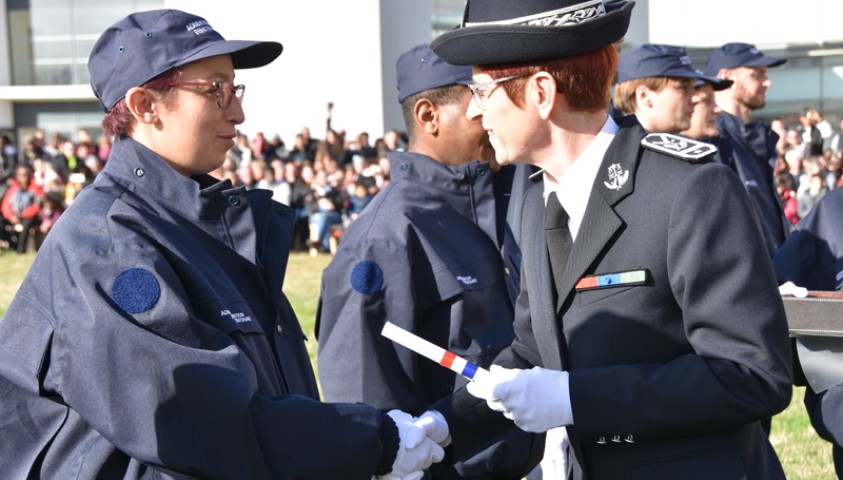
49,44
44,84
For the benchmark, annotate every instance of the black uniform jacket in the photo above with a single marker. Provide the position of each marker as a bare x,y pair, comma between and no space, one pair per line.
424,256
671,377
151,338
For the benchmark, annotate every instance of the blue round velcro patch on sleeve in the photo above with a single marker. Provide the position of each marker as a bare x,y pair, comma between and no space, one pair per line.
366,277
135,290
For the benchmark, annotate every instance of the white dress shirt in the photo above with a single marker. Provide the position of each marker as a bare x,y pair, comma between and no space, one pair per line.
573,191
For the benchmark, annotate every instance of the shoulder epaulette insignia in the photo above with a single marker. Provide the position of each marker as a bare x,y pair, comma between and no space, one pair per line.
678,146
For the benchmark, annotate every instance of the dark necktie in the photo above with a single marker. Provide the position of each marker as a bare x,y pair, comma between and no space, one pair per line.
558,236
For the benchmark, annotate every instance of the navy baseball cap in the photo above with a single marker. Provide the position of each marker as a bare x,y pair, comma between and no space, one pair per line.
716,83
146,44
420,69
734,55
650,60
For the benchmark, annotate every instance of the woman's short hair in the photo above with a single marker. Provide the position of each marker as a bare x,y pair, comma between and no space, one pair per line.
624,96
120,121
585,79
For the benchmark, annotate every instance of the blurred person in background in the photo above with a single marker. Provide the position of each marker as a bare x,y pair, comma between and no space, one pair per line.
703,125
8,160
656,84
812,138
51,208
753,144
20,208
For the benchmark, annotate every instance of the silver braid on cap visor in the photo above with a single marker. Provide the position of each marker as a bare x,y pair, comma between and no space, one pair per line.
573,15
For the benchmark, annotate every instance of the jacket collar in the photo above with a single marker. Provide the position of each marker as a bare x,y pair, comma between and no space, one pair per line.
466,188
142,171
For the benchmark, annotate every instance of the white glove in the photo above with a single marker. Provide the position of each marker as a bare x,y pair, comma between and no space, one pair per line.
790,288
536,399
554,464
416,451
483,386
412,476
436,427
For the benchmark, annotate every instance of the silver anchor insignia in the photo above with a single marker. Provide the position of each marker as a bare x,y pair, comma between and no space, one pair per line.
618,176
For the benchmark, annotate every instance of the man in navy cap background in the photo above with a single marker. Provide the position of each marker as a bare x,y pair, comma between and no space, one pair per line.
649,323
425,255
151,337
656,83
753,144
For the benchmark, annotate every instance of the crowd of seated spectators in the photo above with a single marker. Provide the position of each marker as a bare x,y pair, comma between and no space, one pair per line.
809,162
39,179
329,181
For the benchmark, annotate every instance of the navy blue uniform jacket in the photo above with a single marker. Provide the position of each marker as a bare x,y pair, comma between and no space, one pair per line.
752,149
424,256
151,338
812,257
668,379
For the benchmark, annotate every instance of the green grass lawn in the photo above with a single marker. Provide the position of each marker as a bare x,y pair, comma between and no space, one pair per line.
804,455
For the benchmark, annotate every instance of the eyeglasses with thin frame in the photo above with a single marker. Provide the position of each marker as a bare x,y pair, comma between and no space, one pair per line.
224,91
481,91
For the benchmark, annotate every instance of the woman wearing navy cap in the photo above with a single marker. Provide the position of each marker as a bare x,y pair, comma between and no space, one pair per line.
151,337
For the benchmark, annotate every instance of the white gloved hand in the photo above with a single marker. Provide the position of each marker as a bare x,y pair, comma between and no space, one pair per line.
436,427
412,476
483,386
790,288
416,451
536,399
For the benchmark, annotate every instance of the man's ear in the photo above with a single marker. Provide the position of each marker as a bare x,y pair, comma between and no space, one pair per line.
726,74
426,116
141,104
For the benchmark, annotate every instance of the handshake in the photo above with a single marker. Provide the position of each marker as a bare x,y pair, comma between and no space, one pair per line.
421,443
536,399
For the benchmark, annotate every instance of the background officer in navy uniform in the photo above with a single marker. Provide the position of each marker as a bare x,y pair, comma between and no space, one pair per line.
151,337
649,322
812,257
657,84
424,255
703,125
752,144
510,184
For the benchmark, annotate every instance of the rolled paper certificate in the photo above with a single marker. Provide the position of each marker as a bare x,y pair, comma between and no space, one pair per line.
431,351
